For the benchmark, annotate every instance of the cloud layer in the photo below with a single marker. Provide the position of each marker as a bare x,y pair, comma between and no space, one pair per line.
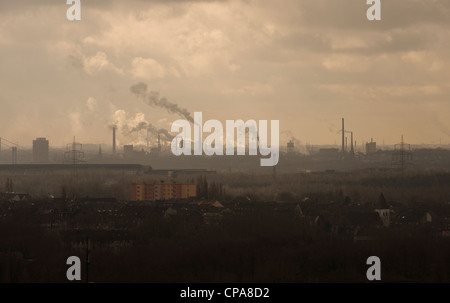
306,63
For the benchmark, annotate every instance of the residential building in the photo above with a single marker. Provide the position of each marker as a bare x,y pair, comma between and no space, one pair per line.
162,191
40,150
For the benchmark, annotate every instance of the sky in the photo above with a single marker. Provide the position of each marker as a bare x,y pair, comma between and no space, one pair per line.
305,63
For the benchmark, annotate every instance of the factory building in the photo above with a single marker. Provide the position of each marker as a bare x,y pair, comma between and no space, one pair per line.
328,153
128,151
40,150
371,147
162,191
290,147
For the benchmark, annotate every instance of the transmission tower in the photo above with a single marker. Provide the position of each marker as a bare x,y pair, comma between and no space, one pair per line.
402,156
74,153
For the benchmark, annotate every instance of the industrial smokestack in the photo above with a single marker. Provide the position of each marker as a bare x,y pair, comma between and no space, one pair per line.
114,140
14,155
351,148
343,137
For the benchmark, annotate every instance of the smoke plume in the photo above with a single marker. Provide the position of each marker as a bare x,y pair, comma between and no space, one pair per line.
442,127
153,99
165,135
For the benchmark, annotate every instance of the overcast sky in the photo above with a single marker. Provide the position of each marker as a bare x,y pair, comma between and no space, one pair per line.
306,63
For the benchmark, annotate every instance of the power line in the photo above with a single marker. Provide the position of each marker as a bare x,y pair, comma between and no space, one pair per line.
13,144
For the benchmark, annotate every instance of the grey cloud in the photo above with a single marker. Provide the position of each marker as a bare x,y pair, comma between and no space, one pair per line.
305,41
75,62
33,4
284,45
400,41
350,14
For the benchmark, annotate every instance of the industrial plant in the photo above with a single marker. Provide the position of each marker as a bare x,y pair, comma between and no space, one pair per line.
294,157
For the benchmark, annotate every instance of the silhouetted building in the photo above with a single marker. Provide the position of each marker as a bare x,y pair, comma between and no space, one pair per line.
155,151
40,150
328,153
128,151
290,146
371,147
383,209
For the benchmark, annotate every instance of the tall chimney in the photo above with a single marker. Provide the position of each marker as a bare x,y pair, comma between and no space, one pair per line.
114,140
159,141
14,155
351,148
343,136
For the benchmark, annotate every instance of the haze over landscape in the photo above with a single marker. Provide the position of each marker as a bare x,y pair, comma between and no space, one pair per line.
305,63
88,172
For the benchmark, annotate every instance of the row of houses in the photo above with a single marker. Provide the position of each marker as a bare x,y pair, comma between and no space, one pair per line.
14,197
162,191
336,218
